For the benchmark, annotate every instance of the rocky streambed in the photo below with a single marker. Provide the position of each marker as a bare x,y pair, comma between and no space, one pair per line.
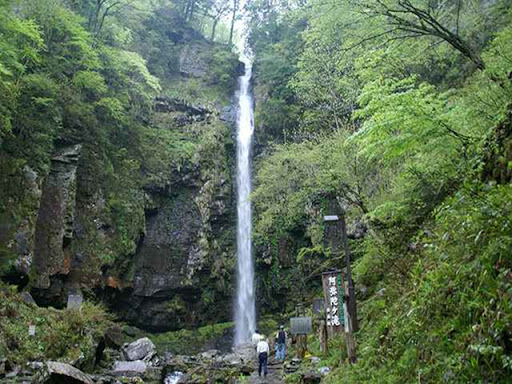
139,362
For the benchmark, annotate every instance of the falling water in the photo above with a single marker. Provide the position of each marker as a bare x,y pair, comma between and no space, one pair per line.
245,311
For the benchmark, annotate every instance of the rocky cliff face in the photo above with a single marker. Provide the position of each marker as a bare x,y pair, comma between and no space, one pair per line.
153,236
185,255
54,226
184,258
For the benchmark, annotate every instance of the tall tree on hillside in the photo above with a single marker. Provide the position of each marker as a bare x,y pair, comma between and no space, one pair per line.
190,8
216,10
442,20
234,10
101,10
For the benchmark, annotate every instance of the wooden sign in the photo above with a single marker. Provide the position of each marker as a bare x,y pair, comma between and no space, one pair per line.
301,325
333,285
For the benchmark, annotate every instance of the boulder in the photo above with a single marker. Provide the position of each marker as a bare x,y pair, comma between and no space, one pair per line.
15,372
292,366
247,369
311,378
114,337
141,349
210,355
131,331
192,61
130,368
154,374
57,373
231,359
245,352
27,298
324,371
104,379
35,365
179,363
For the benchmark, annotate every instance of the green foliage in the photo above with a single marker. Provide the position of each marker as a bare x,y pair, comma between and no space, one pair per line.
20,46
222,65
189,341
92,83
128,75
302,176
400,130
276,43
63,79
450,319
69,45
65,335
163,148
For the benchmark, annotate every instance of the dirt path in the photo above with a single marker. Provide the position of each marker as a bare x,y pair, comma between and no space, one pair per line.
275,368
274,376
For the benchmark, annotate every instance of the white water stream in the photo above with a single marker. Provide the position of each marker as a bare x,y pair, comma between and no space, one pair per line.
245,309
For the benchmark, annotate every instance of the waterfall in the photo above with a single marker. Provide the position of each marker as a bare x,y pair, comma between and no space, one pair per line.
245,309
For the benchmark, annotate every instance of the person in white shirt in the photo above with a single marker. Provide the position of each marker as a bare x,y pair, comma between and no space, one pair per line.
256,337
263,351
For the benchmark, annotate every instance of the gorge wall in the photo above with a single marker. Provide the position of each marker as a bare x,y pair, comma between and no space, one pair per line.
147,225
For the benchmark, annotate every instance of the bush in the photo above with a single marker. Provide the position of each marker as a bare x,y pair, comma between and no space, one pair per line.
64,335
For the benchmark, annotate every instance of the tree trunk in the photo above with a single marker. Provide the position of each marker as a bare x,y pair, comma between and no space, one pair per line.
214,27
192,9
302,345
323,336
233,18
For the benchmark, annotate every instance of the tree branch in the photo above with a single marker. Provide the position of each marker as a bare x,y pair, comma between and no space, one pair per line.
409,18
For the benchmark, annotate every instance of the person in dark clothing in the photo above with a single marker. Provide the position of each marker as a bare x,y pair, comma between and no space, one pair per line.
280,343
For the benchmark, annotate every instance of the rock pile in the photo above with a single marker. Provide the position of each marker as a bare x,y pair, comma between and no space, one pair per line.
138,362
209,366
54,372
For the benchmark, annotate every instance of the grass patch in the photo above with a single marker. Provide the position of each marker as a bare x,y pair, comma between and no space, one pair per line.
64,335
187,341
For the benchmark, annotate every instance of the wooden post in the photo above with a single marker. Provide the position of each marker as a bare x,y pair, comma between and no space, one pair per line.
349,305
322,335
352,306
300,327
349,332
302,345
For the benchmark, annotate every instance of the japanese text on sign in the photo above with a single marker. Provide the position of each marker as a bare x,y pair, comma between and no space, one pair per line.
333,294
333,315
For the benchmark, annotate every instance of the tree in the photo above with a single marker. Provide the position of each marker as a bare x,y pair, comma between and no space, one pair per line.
409,19
216,10
102,9
234,10
21,44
